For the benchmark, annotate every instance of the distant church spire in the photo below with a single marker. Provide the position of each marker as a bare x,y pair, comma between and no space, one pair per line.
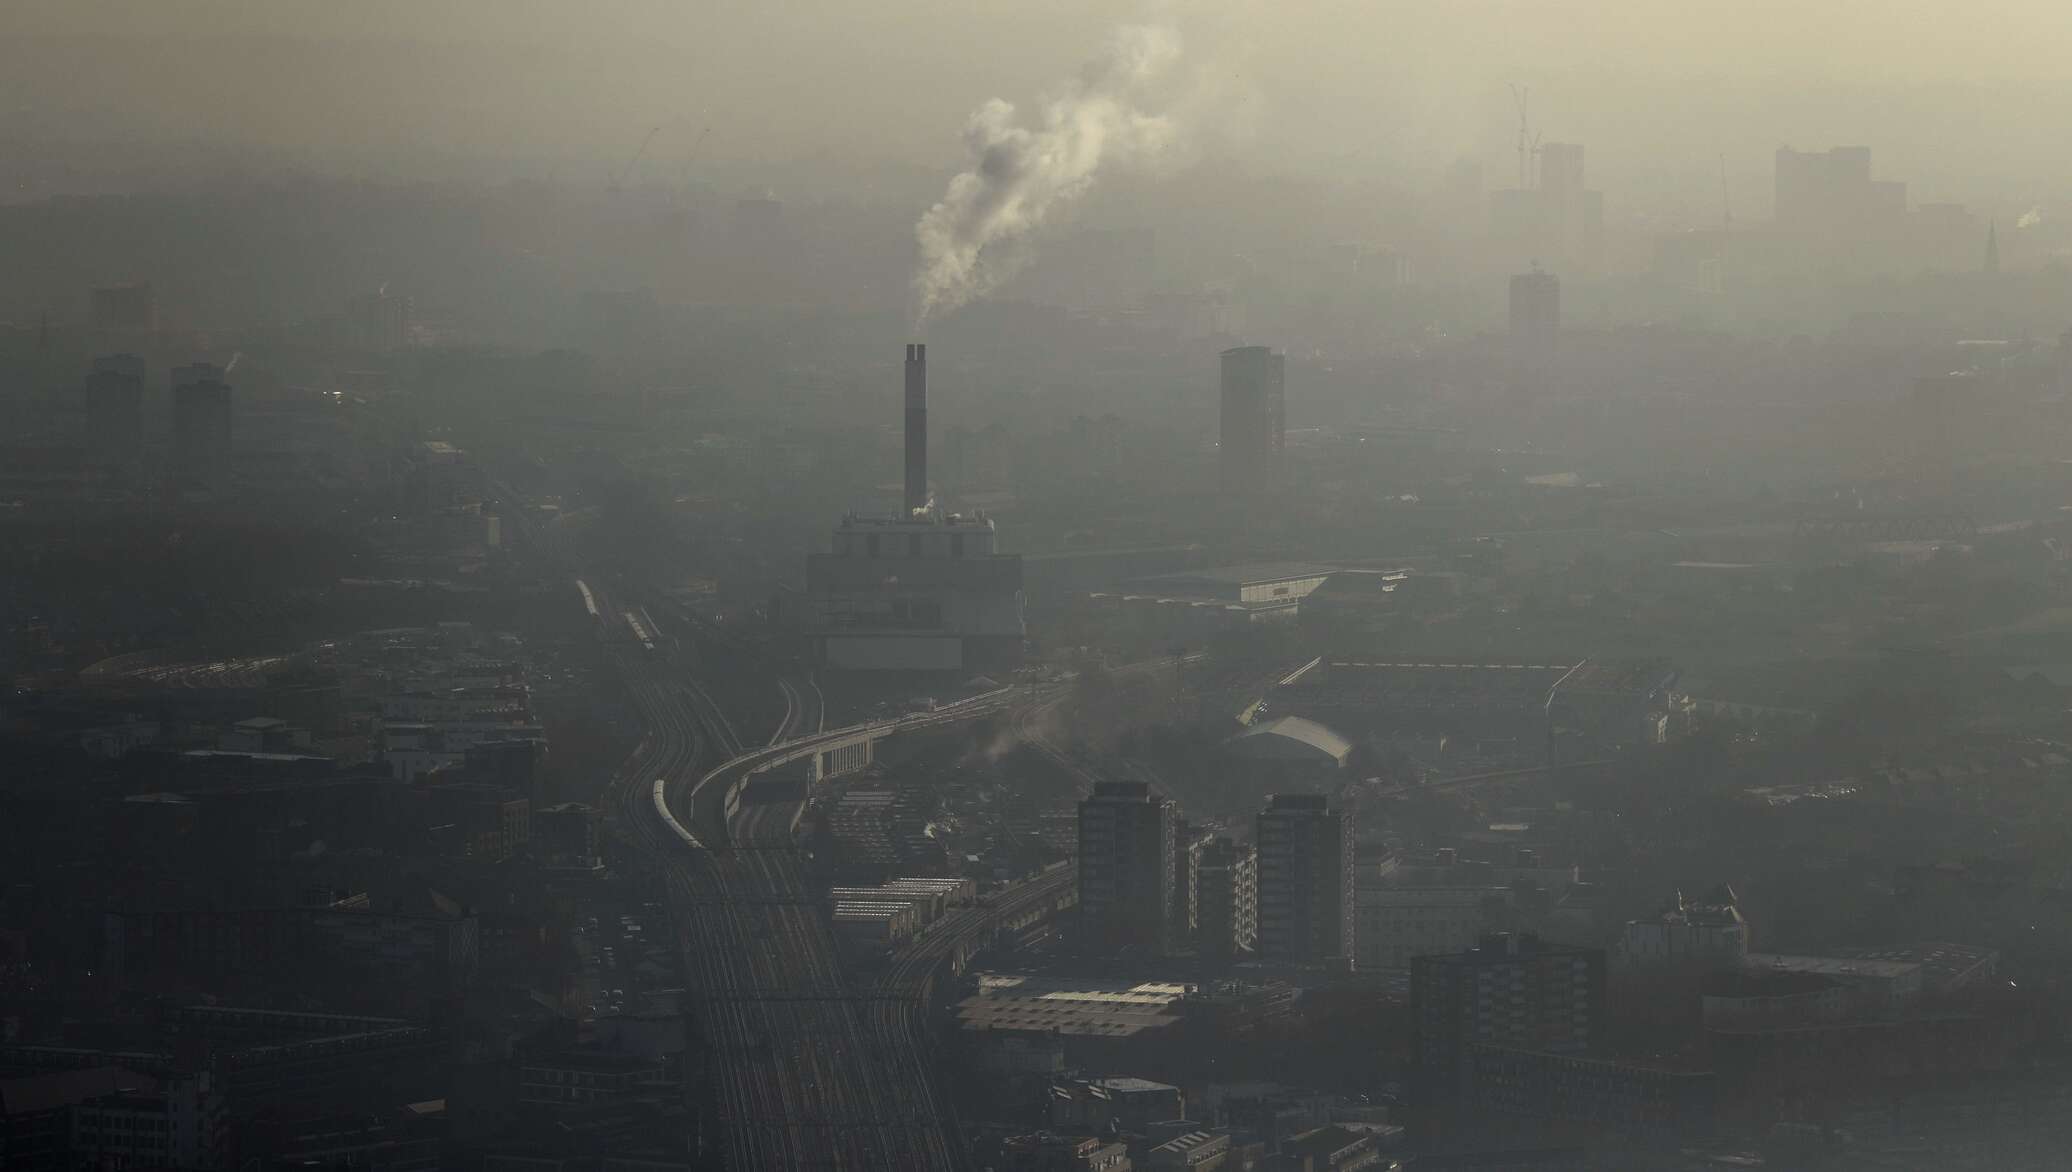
1992,246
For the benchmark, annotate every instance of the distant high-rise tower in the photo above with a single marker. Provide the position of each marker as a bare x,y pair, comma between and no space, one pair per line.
1306,894
115,410
1561,169
1253,418
1126,848
379,320
122,309
1227,916
1992,246
1535,306
201,422
1822,193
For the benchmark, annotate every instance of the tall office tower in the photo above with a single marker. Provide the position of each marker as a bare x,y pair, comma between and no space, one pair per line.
122,309
379,320
1306,900
1573,214
1227,920
1535,306
1511,991
1189,840
1832,191
115,410
1126,852
1253,422
1561,170
201,423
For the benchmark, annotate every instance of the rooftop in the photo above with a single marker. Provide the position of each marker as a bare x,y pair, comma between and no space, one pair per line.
1834,966
1249,573
1276,737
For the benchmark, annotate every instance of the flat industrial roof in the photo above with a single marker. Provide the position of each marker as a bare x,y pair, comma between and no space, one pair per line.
1248,573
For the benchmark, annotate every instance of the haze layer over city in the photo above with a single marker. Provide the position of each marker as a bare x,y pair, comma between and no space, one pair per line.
1044,587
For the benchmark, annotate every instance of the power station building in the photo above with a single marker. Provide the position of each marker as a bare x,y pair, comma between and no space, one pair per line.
923,590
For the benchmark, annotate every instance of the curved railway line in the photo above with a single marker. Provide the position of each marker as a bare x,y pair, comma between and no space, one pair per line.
806,1070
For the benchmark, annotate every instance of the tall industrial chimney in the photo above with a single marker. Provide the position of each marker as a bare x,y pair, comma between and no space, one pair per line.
916,427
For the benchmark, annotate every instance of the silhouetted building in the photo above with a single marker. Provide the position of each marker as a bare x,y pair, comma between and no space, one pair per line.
1706,931
1126,868
1513,991
1832,190
1227,915
1306,894
181,1125
924,590
1535,306
123,309
566,837
1047,1151
115,410
1253,420
1552,214
379,320
201,422
1188,844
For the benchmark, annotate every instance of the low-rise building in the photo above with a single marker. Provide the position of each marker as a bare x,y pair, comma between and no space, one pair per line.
1877,985
1636,1101
1328,1149
1193,1151
1747,999
1047,1151
578,1079
180,1125
1122,1104
1397,924
1706,931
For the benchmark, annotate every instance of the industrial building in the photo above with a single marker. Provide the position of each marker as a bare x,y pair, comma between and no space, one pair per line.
925,590
1260,590
1293,741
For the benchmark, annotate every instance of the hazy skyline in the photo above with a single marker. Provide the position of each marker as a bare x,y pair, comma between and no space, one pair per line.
1333,91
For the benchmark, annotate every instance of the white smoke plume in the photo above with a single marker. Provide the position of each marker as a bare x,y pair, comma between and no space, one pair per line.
2030,218
1020,175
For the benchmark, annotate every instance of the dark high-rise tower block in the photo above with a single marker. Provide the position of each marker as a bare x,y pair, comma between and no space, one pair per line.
1253,418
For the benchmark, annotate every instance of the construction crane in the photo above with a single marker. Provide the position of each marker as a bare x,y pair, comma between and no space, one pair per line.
683,175
1528,142
1726,210
618,181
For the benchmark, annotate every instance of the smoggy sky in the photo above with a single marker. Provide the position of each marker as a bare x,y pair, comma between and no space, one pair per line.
1963,101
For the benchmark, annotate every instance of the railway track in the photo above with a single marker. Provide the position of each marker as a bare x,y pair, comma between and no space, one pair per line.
805,1071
